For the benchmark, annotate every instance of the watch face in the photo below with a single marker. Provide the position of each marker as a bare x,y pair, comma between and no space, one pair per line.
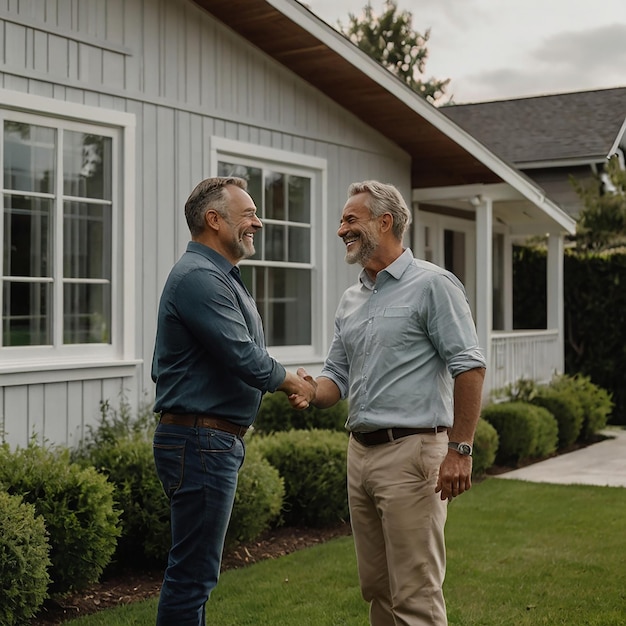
465,448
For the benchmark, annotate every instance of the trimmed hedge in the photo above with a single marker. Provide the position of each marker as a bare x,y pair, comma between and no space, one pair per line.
258,500
313,465
77,506
525,431
566,409
485,448
24,561
276,415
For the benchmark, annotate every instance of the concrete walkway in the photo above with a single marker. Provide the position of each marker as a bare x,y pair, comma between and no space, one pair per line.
602,463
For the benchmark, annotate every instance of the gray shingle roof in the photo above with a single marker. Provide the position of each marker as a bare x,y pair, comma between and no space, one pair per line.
581,125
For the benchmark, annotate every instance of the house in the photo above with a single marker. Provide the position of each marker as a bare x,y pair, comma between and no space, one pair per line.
551,138
113,110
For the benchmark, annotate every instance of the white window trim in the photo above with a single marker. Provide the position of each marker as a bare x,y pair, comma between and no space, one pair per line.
221,147
39,368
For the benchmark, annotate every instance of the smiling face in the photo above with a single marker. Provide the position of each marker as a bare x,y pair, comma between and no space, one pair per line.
237,235
358,229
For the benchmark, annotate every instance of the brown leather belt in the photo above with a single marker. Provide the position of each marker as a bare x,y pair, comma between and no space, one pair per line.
385,435
200,420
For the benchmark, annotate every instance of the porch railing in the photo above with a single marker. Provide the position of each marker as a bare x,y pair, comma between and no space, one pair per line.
529,354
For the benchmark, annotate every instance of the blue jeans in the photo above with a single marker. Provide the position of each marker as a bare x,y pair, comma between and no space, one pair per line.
198,468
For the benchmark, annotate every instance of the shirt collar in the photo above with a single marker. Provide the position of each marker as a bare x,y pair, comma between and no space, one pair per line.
215,257
395,269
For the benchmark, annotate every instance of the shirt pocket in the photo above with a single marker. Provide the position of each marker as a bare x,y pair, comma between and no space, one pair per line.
392,329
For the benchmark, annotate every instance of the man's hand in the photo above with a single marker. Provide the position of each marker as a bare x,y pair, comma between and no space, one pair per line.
299,390
455,475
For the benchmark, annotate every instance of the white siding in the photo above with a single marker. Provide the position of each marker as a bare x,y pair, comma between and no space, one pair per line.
186,78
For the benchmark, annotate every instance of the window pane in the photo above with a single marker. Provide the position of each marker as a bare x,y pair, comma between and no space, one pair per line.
284,300
299,199
274,236
87,313
87,165
86,240
299,244
26,319
29,157
27,237
275,196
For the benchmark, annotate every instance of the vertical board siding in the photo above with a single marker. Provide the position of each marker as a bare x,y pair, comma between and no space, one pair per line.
186,78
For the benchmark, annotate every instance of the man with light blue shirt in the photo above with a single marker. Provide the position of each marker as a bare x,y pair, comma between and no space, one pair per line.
405,353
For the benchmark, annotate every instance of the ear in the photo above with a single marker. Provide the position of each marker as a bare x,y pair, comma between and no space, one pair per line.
386,222
212,219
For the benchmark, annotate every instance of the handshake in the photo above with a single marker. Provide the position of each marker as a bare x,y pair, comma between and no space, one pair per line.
300,389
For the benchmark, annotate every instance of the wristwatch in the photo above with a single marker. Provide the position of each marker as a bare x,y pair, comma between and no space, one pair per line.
462,448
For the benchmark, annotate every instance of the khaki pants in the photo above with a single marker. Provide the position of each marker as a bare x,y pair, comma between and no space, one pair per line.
398,526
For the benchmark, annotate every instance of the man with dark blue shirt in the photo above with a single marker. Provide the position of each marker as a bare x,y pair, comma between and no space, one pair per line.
211,369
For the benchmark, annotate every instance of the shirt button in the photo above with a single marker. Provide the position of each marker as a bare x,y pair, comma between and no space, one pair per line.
375,290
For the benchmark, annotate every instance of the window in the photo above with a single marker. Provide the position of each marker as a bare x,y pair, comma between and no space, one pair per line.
63,242
279,274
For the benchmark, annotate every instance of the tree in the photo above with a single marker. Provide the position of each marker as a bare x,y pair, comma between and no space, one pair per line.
601,224
389,38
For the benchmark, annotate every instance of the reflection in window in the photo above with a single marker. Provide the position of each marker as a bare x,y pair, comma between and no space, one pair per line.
282,290
34,210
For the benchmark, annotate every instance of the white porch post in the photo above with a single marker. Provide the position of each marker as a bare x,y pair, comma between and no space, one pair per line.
556,291
484,276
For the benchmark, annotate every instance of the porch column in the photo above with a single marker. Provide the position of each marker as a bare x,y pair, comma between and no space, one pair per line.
556,291
484,275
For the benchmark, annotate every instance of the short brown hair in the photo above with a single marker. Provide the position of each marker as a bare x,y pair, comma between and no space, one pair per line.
209,194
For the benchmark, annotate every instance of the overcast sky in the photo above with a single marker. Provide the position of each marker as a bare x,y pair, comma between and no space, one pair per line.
499,49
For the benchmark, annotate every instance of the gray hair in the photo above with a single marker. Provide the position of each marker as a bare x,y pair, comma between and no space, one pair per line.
384,198
209,194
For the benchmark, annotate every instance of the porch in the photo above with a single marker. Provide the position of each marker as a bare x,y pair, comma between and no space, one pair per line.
529,354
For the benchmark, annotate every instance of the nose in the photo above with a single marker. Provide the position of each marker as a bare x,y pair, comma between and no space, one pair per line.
257,223
342,230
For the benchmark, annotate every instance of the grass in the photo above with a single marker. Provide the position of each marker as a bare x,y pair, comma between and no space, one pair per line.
518,554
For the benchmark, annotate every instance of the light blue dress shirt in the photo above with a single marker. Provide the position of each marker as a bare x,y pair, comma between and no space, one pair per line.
398,343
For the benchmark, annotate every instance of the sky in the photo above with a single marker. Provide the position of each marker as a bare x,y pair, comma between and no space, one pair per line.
502,49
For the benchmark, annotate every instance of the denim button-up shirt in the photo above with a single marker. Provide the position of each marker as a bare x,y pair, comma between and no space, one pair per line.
398,343
209,355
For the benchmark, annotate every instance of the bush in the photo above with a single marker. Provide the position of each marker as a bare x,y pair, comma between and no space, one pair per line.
566,409
485,448
524,431
128,463
258,500
77,506
276,415
24,561
596,402
313,465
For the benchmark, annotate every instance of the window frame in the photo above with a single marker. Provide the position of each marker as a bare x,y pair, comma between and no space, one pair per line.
29,364
222,149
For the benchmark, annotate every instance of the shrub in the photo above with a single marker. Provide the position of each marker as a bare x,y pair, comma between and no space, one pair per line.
128,463
76,504
524,431
24,560
276,415
258,500
313,465
596,402
485,447
566,409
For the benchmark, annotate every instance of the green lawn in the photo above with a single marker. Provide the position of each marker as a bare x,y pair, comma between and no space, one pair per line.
518,554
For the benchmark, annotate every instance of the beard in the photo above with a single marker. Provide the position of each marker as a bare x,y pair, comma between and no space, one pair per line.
362,251
241,248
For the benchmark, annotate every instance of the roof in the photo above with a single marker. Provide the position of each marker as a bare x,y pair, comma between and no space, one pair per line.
579,127
295,37
442,153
